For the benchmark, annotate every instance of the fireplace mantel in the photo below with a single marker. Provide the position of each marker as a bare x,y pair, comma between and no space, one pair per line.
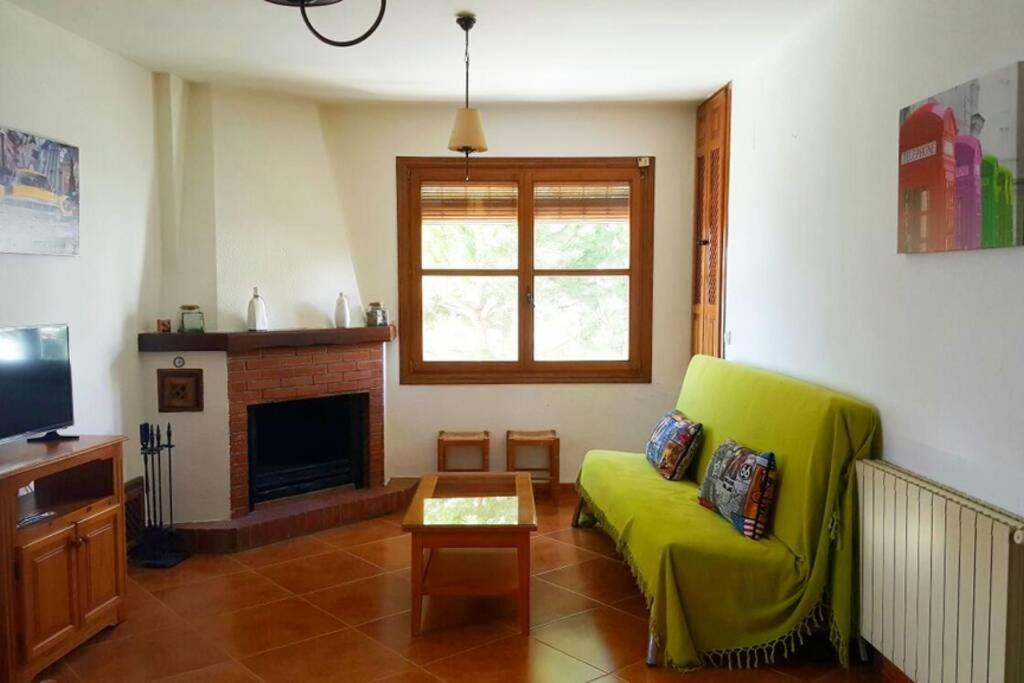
238,342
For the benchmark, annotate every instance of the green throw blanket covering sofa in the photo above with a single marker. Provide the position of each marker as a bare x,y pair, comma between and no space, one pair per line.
715,596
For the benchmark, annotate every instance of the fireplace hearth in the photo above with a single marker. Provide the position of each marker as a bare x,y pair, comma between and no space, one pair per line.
307,444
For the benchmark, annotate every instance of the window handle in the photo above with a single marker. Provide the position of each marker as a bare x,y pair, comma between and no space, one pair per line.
529,296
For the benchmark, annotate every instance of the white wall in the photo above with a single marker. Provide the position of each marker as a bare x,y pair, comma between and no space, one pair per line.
188,221
815,286
202,466
363,143
278,220
56,84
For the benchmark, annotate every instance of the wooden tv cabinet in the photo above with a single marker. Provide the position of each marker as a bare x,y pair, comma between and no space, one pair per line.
61,579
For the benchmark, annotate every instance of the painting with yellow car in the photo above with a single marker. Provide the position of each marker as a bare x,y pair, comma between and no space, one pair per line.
39,194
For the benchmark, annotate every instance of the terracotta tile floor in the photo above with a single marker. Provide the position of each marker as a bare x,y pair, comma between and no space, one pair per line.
335,607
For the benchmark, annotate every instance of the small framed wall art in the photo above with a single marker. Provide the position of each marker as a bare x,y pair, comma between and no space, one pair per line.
180,391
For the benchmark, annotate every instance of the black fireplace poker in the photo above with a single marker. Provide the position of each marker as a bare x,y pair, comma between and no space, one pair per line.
160,545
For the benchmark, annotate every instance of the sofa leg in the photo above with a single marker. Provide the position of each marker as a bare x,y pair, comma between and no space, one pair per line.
576,515
652,651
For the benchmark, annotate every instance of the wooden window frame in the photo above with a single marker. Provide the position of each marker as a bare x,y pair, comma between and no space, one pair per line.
412,172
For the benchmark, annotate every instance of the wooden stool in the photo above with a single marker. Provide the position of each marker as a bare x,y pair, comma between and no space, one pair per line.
446,440
545,439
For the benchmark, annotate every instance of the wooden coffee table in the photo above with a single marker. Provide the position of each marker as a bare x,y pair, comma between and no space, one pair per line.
466,523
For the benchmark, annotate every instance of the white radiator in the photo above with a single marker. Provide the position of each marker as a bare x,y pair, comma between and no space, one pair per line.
942,579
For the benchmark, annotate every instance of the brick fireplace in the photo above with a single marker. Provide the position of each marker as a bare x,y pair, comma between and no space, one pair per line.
276,373
289,373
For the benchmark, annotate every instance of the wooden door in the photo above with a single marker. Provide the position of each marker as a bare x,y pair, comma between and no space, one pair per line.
49,613
711,202
99,543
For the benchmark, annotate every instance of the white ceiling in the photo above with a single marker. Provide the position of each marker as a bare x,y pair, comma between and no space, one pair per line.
522,50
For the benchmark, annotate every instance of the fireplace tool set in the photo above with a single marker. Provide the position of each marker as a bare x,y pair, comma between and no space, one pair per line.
160,545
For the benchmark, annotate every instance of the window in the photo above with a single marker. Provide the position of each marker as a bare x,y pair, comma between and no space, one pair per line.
534,270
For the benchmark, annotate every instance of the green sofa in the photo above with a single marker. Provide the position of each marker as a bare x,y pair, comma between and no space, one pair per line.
715,596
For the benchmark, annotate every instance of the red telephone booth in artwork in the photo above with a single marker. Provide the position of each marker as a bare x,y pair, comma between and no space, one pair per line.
927,212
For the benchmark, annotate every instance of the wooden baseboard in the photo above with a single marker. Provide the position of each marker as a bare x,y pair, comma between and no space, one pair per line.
890,672
539,486
564,490
886,670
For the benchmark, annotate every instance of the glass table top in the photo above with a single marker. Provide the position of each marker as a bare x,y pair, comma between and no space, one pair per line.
472,500
482,511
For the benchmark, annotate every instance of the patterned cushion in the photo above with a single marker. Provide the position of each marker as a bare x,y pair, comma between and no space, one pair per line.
673,445
740,485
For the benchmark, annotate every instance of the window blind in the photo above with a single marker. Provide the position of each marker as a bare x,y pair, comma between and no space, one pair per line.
575,201
469,201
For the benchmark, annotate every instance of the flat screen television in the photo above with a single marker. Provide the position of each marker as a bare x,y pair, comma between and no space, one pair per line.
35,381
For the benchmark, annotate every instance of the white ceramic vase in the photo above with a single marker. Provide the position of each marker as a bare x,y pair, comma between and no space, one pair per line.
342,316
257,318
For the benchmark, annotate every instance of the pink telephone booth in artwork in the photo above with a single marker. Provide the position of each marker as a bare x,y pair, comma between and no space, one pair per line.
967,152
927,211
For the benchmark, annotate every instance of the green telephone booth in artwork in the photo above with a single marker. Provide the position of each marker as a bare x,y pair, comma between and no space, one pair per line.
1004,192
989,205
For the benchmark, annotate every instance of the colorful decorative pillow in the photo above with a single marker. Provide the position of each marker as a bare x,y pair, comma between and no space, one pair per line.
673,445
740,486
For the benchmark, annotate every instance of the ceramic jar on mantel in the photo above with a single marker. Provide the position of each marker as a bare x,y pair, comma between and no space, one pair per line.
342,315
257,321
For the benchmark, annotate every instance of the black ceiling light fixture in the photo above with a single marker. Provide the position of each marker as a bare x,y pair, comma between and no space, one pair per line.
303,4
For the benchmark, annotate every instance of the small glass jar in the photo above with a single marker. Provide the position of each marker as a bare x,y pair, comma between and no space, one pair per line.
376,315
191,320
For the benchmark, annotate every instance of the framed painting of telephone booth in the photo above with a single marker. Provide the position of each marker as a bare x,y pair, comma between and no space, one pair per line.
961,166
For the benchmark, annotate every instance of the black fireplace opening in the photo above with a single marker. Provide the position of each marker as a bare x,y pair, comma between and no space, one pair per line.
306,445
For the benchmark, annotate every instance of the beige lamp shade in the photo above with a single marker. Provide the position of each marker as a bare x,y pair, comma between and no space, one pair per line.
468,131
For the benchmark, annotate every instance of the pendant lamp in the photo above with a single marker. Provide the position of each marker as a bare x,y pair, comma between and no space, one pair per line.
468,130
